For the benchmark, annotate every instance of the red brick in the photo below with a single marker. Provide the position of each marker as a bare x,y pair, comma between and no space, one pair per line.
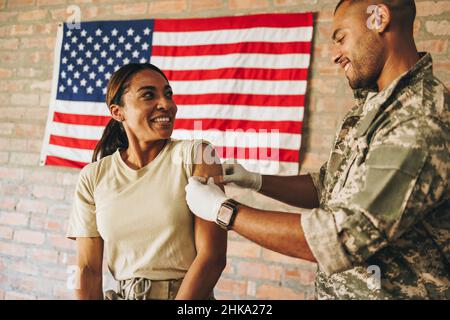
29,72
15,85
59,210
26,267
270,255
46,29
247,4
29,130
49,2
12,295
20,3
433,46
24,99
67,179
6,128
33,206
62,292
6,15
11,173
259,270
438,28
34,145
12,144
303,276
25,159
48,192
93,12
21,30
431,8
37,14
9,44
206,5
267,291
7,203
59,14
14,189
68,259
44,100
44,255
130,9
31,237
33,43
12,249
243,249
167,7
60,241
4,157
54,225
55,273
5,73
13,218
40,175
30,284
38,221
229,268
6,232
14,113
236,287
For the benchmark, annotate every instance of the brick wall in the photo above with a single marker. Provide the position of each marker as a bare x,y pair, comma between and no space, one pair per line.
35,201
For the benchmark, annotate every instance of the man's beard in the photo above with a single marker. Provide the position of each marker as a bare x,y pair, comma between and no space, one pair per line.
366,64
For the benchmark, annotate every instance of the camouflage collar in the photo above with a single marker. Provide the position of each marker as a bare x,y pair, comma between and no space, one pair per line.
421,68
370,102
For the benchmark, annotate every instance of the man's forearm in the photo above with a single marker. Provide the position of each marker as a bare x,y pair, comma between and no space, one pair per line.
297,191
278,231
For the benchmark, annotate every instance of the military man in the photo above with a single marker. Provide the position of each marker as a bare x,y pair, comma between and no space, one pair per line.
379,227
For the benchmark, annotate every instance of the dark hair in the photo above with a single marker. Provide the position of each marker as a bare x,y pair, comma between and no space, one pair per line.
114,135
408,6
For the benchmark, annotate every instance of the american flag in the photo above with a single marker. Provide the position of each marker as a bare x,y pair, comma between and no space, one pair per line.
239,83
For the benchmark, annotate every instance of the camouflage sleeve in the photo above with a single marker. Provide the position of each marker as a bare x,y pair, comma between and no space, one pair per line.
318,179
403,177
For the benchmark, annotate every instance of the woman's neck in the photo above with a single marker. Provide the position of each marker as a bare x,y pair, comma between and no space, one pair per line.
138,155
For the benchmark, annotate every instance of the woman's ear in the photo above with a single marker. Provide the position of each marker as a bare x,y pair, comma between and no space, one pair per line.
116,112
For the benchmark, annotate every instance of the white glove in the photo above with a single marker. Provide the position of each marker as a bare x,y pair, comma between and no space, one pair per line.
234,172
204,200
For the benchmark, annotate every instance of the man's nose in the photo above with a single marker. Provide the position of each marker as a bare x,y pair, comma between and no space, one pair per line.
336,54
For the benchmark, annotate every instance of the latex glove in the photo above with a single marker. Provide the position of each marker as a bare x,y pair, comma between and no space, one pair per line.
234,172
204,199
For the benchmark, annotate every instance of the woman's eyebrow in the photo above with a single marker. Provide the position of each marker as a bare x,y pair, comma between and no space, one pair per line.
153,88
146,88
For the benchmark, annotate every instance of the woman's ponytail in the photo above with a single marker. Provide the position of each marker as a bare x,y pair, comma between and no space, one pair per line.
113,137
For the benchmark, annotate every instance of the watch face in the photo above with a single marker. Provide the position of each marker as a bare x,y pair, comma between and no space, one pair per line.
225,215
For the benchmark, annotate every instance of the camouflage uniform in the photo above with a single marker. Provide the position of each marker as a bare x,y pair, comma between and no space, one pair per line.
384,198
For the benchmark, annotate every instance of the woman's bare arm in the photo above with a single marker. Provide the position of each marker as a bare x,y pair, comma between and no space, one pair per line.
89,284
211,245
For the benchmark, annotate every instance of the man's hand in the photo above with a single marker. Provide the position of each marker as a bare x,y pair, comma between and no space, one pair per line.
234,172
204,200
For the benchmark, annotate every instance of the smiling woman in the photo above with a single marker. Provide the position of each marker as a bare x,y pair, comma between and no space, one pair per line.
131,200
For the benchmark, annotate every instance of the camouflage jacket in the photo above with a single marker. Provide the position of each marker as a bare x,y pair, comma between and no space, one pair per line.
382,230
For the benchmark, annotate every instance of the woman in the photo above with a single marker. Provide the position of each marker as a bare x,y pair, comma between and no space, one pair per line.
132,201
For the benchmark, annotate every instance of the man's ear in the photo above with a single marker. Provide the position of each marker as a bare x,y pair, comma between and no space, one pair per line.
116,112
380,17
385,16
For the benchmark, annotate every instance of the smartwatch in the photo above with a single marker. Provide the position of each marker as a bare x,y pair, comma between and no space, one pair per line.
227,213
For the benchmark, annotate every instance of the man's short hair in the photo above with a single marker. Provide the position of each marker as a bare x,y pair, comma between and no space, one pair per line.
406,6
